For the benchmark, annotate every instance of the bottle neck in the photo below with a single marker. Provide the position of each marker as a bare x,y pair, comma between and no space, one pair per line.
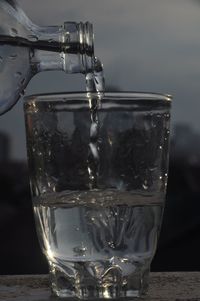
68,48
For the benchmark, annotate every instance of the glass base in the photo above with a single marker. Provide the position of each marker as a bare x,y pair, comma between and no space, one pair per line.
89,281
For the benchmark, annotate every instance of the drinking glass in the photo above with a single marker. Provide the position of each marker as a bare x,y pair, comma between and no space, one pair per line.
98,198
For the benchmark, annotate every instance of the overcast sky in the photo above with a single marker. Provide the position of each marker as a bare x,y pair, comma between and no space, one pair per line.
145,45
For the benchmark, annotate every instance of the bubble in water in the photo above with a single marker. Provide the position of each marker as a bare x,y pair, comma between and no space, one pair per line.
94,150
80,250
145,186
124,282
111,244
93,130
152,168
93,201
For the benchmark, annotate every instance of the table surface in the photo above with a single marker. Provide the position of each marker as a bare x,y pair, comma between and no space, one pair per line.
184,286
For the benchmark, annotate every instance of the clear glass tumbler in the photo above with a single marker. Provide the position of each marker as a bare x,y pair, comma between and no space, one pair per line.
98,199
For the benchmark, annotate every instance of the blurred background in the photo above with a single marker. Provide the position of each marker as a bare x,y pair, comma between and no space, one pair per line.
145,45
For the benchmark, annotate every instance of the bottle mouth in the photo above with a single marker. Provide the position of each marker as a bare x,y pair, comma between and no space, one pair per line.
79,39
86,38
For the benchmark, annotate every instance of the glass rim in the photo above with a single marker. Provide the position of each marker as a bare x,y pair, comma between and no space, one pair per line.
134,95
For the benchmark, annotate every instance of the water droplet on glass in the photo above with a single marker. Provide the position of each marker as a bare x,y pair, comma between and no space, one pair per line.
14,31
22,93
33,38
23,81
152,168
13,56
18,74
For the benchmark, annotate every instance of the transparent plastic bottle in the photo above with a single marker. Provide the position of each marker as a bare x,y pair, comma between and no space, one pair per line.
26,49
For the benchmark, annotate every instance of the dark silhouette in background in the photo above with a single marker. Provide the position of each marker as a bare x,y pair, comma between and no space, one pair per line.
179,244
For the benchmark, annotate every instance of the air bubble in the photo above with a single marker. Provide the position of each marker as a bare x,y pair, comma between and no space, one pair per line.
111,244
80,250
93,201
